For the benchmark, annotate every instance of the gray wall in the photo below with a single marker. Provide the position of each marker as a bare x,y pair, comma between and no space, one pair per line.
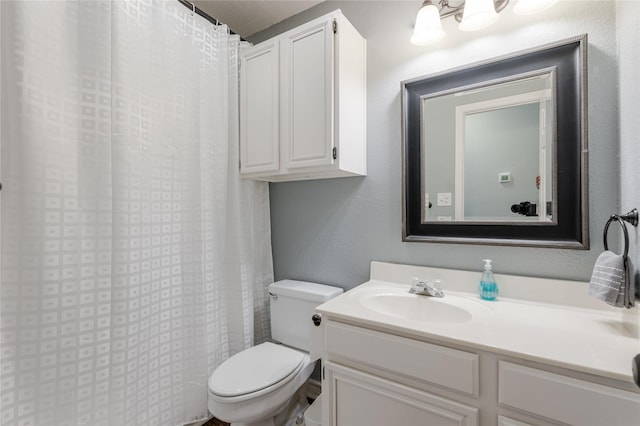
629,53
329,230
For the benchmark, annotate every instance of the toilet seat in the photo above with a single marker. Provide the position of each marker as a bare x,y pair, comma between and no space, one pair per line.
252,372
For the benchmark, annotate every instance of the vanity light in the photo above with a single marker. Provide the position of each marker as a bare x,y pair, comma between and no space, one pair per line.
478,14
472,15
428,28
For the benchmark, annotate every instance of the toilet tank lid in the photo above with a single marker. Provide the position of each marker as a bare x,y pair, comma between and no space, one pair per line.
304,290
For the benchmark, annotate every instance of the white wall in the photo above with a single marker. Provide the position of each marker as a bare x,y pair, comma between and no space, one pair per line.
487,152
329,230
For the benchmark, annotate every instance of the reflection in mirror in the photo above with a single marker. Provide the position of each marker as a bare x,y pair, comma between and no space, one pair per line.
496,152
488,151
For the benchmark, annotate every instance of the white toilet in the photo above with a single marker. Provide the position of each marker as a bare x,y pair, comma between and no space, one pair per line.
255,385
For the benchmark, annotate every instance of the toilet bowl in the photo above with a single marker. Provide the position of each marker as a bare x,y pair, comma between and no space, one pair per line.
255,385
244,390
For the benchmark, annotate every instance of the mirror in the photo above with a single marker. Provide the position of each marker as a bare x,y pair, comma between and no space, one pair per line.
499,139
495,153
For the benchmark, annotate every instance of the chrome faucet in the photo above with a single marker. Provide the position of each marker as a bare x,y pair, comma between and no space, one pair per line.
427,288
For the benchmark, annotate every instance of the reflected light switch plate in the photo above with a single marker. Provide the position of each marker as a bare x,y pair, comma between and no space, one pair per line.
444,199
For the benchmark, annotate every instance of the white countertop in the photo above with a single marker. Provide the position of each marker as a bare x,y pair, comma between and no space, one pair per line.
596,341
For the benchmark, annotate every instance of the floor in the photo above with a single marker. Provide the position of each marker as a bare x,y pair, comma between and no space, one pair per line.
215,422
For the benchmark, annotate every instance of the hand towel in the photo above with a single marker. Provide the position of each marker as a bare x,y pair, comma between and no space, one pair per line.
632,292
609,279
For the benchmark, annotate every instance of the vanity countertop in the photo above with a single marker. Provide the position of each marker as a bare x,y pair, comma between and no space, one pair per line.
596,341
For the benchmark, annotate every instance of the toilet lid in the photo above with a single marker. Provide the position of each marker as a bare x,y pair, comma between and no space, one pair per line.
253,369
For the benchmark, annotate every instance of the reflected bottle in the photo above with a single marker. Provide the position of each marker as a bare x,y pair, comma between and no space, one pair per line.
488,289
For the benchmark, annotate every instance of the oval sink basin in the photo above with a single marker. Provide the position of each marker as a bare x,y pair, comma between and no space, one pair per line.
450,309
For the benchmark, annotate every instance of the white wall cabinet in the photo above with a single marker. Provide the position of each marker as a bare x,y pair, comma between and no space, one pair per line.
375,377
259,109
303,103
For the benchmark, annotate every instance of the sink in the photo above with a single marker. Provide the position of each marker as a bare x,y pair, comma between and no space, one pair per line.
403,305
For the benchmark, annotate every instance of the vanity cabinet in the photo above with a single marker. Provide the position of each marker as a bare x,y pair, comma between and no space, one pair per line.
378,377
358,398
303,103
565,399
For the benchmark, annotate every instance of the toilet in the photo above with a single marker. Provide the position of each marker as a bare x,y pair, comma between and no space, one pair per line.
255,385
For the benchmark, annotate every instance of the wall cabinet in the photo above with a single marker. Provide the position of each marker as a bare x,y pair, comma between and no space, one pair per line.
303,103
375,377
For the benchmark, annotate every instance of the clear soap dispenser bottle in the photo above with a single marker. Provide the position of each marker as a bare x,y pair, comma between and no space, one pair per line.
488,289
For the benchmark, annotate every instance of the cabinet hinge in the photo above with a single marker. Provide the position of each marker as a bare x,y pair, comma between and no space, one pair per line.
335,26
335,152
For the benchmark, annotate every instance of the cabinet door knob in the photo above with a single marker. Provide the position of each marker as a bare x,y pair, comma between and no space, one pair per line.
317,319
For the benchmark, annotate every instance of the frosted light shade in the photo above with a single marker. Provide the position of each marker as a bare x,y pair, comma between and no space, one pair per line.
478,14
428,28
528,7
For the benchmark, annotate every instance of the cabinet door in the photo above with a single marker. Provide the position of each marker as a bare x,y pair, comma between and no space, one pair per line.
307,95
357,398
259,109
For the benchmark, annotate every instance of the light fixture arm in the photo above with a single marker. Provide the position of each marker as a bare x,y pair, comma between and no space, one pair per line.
456,7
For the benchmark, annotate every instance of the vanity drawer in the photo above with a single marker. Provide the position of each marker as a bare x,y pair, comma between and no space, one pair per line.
506,421
445,367
565,399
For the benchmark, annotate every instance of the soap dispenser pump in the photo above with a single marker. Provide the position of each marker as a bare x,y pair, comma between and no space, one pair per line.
488,289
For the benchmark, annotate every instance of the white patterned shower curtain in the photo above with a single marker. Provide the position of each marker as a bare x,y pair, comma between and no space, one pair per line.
133,258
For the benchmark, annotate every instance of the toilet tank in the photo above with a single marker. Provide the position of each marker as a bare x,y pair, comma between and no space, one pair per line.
292,305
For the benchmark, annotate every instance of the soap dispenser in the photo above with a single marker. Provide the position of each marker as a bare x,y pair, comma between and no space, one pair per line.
488,289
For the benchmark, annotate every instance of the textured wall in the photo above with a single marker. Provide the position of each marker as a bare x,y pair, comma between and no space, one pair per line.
329,230
628,18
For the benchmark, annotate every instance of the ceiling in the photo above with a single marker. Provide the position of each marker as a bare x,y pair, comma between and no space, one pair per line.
247,17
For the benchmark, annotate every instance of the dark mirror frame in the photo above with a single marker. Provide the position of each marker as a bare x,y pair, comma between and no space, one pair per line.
571,219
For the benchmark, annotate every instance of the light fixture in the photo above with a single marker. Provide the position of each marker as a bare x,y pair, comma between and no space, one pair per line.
478,14
472,15
428,28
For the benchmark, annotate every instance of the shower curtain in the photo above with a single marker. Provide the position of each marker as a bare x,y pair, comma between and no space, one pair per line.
133,258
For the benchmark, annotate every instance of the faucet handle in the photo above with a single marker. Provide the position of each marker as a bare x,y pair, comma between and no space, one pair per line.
437,284
418,287
436,288
427,288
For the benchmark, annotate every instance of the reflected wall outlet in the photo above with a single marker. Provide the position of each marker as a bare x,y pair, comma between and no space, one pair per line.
444,199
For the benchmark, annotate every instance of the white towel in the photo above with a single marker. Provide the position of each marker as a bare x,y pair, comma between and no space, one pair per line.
609,279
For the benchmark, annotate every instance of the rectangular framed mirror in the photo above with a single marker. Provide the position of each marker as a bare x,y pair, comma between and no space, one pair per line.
496,153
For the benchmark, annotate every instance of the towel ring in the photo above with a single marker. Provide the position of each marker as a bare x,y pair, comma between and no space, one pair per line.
617,218
632,218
